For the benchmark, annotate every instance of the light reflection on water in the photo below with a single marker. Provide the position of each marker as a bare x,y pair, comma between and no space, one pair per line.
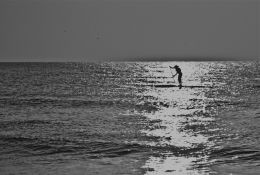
180,122
174,165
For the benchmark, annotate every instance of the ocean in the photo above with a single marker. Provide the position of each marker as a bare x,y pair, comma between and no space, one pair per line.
113,118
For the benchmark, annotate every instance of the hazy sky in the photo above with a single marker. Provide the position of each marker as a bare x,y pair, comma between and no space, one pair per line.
109,29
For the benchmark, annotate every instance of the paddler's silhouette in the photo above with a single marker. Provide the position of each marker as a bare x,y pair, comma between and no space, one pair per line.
178,71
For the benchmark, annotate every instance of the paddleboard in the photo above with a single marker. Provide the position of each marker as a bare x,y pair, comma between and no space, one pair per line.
171,85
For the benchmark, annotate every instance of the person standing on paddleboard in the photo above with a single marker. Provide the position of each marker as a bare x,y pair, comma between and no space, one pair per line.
178,71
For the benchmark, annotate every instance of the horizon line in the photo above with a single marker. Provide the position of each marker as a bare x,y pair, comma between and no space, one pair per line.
134,59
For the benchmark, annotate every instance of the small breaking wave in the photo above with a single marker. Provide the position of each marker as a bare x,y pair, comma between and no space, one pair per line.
235,154
32,146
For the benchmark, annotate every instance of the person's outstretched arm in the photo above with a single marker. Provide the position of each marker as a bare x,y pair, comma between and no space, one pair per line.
171,72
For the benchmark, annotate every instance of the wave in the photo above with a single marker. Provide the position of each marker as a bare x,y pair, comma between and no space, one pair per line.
23,122
26,146
37,146
59,102
235,154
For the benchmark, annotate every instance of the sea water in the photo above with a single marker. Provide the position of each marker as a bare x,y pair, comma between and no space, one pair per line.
110,118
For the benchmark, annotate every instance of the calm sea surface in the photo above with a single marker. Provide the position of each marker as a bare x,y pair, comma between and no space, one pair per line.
113,118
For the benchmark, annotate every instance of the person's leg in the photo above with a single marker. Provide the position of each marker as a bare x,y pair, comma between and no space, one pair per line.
179,79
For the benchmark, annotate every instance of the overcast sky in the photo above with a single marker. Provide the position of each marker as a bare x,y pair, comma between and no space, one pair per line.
123,29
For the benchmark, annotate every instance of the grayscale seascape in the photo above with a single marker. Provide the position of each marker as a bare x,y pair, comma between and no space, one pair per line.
114,118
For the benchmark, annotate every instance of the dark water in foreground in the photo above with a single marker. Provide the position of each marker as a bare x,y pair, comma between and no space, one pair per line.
108,118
